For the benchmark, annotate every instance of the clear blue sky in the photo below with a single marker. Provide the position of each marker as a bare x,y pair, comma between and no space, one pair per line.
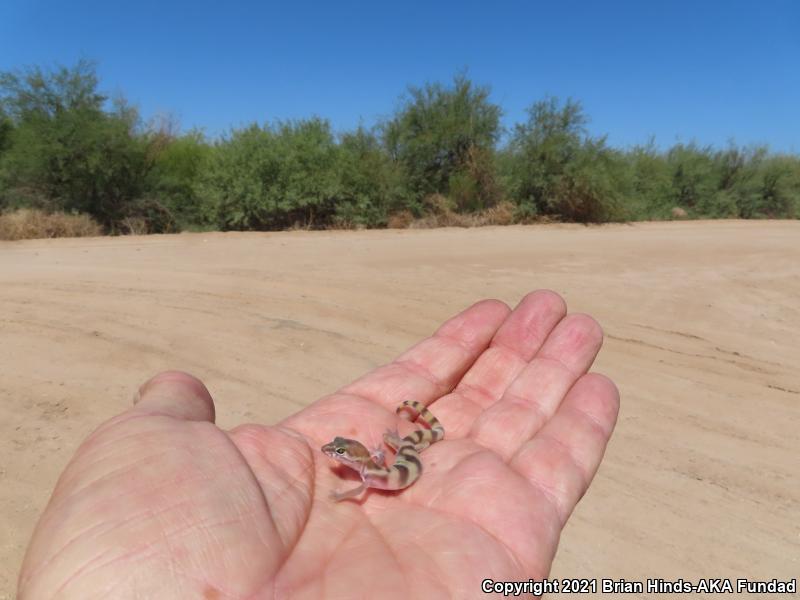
708,71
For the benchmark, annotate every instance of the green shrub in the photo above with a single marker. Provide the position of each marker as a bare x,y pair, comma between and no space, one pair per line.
650,184
445,136
273,177
66,149
370,186
556,168
693,177
174,176
779,186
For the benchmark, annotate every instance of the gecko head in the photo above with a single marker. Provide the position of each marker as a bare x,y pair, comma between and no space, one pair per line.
348,452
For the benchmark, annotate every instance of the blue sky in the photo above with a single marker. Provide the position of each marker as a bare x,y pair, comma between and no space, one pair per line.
680,70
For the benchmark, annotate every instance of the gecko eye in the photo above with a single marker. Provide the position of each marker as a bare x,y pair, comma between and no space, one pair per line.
340,451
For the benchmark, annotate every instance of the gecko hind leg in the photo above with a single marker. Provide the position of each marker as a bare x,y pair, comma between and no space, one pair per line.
378,456
392,439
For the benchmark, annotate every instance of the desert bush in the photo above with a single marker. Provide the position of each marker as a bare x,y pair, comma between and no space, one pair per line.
778,183
6,129
556,168
444,140
24,223
649,184
701,182
475,186
177,166
438,211
67,148
150,216
694,180
370,185
273,177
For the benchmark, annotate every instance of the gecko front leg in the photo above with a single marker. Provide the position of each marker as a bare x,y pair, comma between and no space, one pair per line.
339,496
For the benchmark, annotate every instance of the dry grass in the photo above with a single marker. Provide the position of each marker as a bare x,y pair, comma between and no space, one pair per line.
441,214
25,224
400,220
678,213
502,213
32,224
134,226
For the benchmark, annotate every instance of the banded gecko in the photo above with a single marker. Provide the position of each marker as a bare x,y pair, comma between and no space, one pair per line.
407,466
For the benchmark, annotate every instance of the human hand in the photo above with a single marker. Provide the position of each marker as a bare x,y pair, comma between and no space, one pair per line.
159,502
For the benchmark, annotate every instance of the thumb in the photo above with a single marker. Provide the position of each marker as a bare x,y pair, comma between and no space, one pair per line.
175,394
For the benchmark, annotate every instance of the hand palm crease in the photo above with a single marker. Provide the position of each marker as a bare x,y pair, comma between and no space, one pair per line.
167,502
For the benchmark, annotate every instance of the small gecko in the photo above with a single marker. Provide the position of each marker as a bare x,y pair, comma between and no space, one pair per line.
407,466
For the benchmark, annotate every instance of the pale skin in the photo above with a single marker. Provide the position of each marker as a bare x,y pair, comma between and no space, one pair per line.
159,502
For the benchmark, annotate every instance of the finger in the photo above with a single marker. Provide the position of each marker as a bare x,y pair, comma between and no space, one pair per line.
432,367
534,396
517,340
176,394
562,459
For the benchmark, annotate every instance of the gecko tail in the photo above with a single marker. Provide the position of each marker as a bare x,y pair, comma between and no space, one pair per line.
411,410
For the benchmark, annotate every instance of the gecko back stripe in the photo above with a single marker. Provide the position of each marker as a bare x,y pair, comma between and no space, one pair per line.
403,471
414,460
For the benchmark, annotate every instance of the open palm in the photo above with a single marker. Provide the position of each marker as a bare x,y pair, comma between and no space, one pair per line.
159,502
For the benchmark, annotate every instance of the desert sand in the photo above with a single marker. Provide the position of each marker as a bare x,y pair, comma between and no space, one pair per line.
702,336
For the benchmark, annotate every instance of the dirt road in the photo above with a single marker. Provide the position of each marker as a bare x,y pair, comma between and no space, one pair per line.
702,323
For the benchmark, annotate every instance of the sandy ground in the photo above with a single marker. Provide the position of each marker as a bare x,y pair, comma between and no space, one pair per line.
702,323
